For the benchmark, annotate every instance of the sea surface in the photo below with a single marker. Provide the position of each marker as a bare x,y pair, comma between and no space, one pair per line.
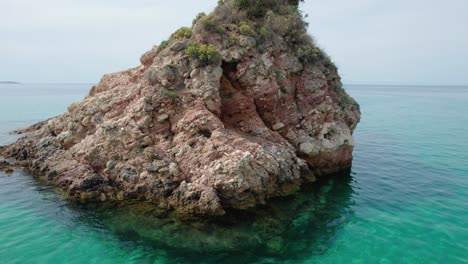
404,201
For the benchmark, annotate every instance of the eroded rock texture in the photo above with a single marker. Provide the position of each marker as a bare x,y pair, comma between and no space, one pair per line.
200,137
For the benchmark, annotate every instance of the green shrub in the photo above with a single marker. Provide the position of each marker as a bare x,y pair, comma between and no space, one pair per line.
317,53
265,33
287,22
164,44
276,23
180,86
295,2
204,54
228,14
305,53
327,62
295,31
169,93
323,57
344,100
280,74
232,40
246,30
198,17
310,53
212,25
256,9
285,89
181,33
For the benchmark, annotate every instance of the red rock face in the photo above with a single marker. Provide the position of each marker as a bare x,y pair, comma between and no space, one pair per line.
200,139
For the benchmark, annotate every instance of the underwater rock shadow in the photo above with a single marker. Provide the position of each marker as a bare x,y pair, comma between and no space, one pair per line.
287,228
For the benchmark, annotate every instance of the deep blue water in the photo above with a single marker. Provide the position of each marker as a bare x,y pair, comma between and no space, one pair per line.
405,200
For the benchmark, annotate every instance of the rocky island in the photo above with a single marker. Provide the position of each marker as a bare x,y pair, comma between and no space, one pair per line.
239,108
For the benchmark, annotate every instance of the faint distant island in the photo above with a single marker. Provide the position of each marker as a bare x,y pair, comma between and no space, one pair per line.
8,82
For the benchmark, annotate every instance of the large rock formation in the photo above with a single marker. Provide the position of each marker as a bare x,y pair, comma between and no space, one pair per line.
237,109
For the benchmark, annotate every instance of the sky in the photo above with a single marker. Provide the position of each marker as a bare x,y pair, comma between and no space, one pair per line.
420,42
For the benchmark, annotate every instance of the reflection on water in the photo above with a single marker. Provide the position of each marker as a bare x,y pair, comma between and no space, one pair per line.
287,226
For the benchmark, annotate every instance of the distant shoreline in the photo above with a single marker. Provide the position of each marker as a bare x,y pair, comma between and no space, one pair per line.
7,82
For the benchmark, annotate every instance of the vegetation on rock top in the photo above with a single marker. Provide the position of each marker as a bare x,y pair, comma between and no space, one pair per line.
204,54
263,20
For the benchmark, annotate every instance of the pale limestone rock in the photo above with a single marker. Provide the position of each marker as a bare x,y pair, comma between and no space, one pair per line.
278,126
163,117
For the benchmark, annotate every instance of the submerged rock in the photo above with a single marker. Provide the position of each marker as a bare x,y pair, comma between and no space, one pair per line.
6,166
240,108
294,226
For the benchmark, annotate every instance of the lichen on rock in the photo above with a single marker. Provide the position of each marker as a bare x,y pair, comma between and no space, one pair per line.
240,108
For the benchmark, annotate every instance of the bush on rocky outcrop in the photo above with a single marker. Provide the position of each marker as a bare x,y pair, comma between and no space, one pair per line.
296,30
164,44
258,8
204,54
246,30
181,33
211,24
328,63
227,14
232,40
316,54
198,17
169,93
263,20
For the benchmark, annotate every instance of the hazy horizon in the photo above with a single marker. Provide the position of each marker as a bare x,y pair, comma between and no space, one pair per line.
344,83
371,41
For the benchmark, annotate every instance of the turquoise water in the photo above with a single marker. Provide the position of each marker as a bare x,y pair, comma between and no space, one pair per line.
405,200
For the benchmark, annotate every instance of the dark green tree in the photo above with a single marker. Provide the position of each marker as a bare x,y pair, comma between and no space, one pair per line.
295,2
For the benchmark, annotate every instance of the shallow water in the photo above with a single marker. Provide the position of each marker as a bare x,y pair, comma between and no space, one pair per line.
405,200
